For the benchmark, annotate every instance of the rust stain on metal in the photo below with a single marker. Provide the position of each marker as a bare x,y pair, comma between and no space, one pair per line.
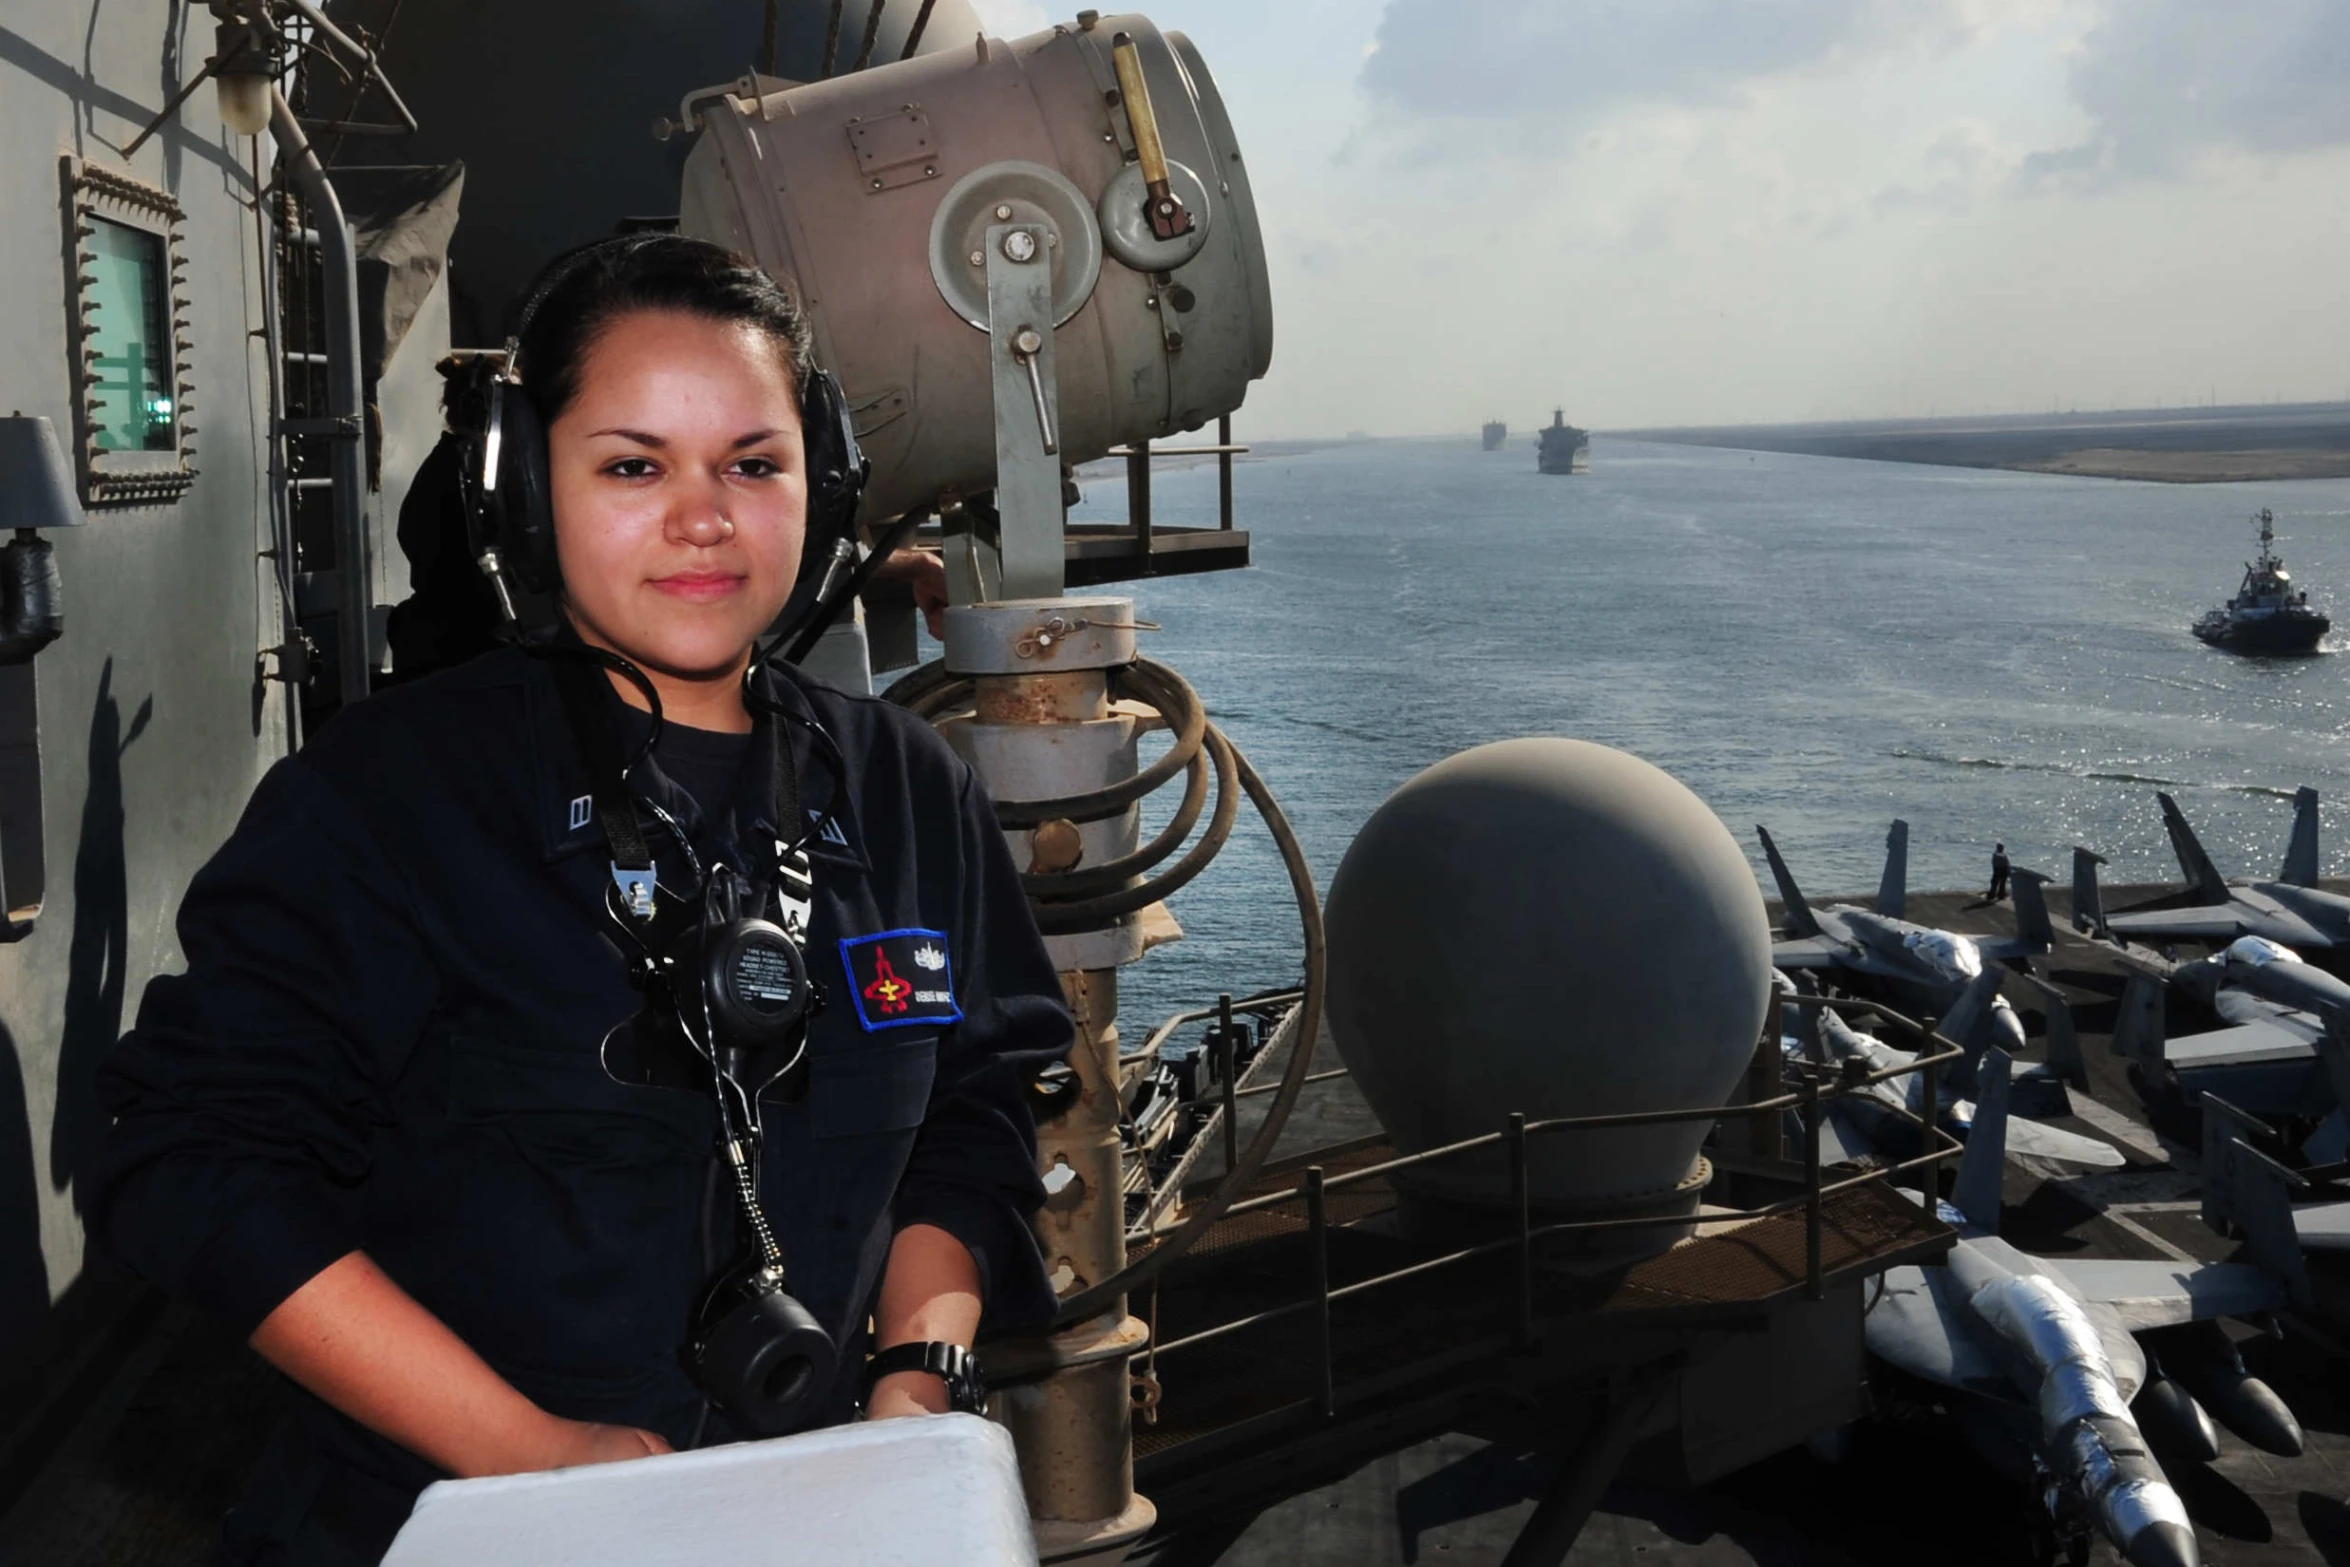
1071,696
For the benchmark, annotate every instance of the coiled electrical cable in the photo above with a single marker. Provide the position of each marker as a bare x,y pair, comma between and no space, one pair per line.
1090,897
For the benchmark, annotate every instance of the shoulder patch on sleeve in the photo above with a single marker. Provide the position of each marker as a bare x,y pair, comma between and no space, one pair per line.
899,977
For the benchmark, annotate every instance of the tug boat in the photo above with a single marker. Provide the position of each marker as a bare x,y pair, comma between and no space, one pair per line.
2268,614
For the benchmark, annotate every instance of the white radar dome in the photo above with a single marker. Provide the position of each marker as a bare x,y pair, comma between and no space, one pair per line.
1553,927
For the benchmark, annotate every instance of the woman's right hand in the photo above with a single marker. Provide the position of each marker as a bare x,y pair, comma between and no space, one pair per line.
574,1443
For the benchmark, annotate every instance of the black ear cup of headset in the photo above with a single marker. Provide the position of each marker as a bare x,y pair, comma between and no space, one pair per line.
744,979
516,484
837,468
762,1357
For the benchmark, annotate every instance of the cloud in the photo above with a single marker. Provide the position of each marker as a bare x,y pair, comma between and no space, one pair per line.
1571,59
1960,166
2166,81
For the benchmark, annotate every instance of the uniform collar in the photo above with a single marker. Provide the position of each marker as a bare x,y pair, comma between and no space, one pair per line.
563,802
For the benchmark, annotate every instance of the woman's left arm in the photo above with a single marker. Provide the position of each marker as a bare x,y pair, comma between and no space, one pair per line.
963,1242
930,1290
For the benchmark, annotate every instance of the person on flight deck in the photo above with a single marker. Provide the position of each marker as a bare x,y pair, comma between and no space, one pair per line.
1998,874
416,1116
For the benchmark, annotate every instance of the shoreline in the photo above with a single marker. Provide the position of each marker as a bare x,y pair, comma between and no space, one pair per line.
2265,444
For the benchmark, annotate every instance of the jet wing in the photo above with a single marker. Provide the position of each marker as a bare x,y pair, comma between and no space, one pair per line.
2241,1006
1809,952
1841,1141
1919,1324
2323,1226
2163,1294
2282,923
2218,922
2038,1138
2251,1044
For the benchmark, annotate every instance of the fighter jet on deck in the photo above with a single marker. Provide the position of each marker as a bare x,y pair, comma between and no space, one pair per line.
1926,970
1879,1121
2042,1357
2291,911
2273,1055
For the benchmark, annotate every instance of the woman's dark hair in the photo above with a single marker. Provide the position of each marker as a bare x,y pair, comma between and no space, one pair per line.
580,295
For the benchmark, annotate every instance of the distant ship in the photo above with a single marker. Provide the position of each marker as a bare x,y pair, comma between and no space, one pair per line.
2267,615
1565,449
1495,433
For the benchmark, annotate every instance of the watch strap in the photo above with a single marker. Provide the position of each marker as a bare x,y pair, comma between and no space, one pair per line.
952,1364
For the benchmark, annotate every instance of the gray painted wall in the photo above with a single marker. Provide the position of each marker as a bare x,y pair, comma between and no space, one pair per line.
154,726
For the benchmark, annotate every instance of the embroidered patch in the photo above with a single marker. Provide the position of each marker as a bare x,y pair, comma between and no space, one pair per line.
900,977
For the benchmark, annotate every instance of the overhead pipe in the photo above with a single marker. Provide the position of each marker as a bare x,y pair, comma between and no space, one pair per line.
354,563
368,62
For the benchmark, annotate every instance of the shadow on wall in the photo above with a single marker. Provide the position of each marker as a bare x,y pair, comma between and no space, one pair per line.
98,956
24,1273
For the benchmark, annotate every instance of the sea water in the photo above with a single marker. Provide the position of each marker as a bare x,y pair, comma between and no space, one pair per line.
1816,644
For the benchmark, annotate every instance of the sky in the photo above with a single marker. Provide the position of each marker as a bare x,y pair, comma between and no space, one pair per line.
1661,212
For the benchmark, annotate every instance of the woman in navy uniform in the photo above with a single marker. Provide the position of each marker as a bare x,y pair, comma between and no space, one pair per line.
376,1122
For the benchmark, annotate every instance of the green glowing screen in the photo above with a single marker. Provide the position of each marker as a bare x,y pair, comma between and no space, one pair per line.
131,379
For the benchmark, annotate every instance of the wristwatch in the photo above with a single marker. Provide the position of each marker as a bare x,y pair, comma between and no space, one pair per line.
952,1364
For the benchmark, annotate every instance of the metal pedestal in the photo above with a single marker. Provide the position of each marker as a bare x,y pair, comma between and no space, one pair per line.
1042,728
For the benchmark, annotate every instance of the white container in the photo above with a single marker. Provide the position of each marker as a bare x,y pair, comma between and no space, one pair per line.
917,1491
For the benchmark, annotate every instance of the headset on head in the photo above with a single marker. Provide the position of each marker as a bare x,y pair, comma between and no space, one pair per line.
509,504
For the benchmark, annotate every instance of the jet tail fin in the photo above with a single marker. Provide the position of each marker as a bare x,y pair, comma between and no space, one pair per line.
1796,913
2031,910
2334,1051
2064,1041
2194,864
2300,868
2088,899
1983,1164
2246,1191
2138,1032
1893,886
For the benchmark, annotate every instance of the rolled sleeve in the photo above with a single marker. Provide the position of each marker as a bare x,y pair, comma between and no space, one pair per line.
243,1099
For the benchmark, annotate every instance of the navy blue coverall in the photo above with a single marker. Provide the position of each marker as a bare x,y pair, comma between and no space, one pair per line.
399,977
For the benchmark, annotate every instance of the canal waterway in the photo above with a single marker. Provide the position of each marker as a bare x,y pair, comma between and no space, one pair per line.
1816,644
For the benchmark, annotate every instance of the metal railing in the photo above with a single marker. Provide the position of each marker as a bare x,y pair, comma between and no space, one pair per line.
1811,1098
1138,479
1159,1195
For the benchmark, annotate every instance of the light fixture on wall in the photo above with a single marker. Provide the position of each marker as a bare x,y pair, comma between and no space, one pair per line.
36,494
240,80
